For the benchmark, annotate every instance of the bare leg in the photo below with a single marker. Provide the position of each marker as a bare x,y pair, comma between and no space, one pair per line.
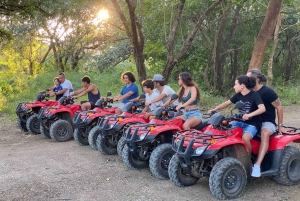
151,117
264,145
118,111
86,106
191,122
247,137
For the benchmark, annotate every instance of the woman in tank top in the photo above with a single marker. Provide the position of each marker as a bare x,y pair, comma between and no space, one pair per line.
189,95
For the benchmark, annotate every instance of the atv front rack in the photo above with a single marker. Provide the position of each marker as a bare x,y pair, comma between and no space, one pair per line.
193,138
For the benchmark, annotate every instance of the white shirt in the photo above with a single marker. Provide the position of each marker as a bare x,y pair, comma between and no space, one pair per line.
149,98
67,85
168,91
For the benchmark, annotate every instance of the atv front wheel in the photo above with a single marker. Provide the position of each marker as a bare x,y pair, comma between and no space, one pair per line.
61,131
289,167
33,125
22,125
178,175
227,179
131,161
121,144
160,159
106,146
93,137
45,131
80,137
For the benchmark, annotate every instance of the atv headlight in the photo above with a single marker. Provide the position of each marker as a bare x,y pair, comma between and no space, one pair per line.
110,126
199,150
142,136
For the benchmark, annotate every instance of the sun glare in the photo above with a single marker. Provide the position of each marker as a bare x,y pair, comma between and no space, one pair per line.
102,15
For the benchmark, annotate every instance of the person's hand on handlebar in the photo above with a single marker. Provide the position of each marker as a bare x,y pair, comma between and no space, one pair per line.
246,117
178,107
52,93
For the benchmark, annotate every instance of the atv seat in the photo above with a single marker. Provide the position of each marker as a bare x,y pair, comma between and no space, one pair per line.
201,125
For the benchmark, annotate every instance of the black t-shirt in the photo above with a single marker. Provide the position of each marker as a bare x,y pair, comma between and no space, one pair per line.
251,100
268,96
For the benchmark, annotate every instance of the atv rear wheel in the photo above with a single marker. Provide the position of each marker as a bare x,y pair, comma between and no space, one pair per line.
121,144
178,175
45,131
81,138
33,125
22,125
131,161
106,146
93,137
61,131
289,167
227,179
160,159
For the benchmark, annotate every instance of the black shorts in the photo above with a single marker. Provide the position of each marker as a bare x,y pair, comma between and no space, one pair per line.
92,104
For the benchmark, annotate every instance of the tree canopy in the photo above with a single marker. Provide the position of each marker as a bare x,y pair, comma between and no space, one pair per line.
214,40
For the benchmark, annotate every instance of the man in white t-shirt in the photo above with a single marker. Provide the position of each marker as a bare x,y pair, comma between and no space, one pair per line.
165,92
148,87
66,86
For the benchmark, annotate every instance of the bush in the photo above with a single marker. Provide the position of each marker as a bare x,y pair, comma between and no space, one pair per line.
15,88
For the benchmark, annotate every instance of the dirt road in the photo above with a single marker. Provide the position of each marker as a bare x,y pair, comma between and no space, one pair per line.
33,168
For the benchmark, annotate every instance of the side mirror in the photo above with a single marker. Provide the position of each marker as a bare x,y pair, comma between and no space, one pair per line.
142,96
108,93
62,100
239,105
174,97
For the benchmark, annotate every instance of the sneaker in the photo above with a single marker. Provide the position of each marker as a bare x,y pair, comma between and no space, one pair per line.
255,171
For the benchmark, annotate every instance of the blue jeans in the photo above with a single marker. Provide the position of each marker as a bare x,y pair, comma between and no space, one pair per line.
247,128
194,113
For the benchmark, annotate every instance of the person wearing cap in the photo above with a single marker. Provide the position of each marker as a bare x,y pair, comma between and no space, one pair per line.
271,102
130,91
165,92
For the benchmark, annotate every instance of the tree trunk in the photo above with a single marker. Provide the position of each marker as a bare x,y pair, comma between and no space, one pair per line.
135,34
171,59
218,72
46,54
271,56
137,41
292,60
265,34
234,66
58,59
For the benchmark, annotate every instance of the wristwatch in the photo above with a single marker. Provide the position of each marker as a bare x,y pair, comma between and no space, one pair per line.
281,125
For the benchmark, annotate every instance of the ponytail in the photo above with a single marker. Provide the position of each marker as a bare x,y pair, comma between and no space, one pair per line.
257,74
249,82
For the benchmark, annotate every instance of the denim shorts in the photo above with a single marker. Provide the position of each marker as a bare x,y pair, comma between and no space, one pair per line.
194,113
269,125
247,128
119,105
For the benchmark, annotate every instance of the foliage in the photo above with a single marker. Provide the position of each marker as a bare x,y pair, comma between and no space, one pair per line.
39,37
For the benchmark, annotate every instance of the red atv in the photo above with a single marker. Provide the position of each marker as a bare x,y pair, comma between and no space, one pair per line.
220,154
56,121
106,135
84,120
28,111
151,144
